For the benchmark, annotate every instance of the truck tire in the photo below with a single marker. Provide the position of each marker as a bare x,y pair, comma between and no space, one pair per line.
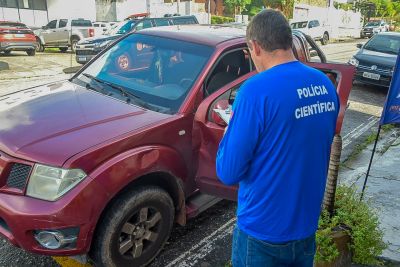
39,46
63,49
325,39
134,228
31,52
74,41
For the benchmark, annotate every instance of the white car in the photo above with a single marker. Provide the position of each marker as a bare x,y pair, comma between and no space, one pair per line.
313,28
100,27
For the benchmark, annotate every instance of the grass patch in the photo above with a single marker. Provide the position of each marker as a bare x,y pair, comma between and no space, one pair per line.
360,147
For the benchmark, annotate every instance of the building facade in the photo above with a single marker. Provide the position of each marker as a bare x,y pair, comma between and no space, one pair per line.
39,12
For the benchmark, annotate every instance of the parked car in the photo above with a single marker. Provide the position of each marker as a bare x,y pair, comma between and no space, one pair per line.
89,47
16,36
376,59
106,162
314,28
374,27
100,27
63,33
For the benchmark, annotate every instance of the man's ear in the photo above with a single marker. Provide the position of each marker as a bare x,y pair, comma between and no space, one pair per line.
256,48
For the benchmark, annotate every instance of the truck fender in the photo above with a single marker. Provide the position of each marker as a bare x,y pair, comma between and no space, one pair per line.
119,172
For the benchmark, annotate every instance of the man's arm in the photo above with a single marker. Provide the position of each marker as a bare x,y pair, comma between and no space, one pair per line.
237,147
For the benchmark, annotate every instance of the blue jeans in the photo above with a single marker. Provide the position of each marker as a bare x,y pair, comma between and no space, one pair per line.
251,252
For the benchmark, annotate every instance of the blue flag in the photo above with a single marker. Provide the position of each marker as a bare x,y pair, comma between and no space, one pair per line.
391,111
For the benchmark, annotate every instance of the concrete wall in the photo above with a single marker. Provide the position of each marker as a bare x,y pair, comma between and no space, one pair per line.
71,9
36,18
129,7
106,10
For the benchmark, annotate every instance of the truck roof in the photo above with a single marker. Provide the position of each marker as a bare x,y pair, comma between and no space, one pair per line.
202,34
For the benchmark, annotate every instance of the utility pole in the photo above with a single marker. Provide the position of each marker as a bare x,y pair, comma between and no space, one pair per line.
177,6
209,11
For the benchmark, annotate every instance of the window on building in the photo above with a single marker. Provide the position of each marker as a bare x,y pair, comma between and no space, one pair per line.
63,23
25,4
8,3
81,23
39,5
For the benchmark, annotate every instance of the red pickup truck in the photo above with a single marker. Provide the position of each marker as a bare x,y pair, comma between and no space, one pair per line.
105,163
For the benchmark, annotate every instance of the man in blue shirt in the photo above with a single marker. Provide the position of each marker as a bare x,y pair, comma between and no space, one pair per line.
277,147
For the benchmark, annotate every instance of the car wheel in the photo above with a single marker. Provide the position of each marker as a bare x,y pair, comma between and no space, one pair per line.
74,41
63,49
325,38
39,46
31,52
7,52
134,228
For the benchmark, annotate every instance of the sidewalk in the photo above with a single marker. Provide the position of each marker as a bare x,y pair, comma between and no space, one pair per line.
383,187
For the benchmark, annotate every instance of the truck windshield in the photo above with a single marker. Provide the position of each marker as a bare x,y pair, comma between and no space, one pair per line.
372,24
153,72
384,44
120,28
299,25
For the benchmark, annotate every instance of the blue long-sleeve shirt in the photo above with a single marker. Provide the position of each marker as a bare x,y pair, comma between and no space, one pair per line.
277,148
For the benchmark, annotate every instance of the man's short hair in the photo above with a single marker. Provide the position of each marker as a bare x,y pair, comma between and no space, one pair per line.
271,30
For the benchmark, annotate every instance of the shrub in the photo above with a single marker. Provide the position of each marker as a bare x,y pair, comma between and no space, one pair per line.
221,19
362,224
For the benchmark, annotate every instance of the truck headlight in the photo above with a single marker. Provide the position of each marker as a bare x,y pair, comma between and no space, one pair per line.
102,44
353,62
50,183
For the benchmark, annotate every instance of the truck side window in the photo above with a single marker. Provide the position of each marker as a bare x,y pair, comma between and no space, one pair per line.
52,24
143,25
230,67
62,23
316,23
161,22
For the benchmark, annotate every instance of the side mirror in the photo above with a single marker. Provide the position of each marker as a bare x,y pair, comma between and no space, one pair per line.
359,45
221,104
310,26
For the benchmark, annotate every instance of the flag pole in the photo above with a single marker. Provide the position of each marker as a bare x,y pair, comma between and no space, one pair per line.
370,162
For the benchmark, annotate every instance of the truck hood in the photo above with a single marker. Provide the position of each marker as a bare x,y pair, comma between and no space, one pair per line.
51,123
99,39
376,58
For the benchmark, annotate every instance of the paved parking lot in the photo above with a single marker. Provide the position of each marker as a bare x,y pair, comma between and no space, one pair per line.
206,240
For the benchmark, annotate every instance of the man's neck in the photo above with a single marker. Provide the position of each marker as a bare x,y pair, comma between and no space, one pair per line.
277,57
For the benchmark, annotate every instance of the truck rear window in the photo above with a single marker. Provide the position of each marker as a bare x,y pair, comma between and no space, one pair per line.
183,21
12,25
81,23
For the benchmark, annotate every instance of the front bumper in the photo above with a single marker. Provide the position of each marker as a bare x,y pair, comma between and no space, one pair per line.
21,216
384,80
17,46
84,53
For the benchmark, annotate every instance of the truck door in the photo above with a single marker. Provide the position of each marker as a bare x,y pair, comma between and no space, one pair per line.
61,35
48,32
210,128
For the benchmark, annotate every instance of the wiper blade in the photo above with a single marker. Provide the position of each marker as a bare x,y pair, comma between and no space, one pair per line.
88,86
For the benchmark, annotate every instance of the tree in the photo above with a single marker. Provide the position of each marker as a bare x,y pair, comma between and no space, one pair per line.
237,5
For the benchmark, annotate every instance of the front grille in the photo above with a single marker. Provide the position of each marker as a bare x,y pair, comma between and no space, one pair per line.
86,52
18,176
379,68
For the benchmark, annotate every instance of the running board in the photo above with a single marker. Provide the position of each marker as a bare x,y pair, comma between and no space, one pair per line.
198,203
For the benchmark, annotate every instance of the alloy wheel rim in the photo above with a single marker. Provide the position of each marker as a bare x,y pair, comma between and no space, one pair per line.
139,232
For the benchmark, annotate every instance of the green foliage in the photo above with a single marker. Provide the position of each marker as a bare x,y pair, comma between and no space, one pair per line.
221,20
366,237
237,5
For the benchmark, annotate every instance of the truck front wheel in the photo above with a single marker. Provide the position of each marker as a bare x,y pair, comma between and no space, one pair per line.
325,38
74,41
134,228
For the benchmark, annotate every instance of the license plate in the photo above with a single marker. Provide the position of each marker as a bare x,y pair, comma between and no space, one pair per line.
372,76
82,58
19,35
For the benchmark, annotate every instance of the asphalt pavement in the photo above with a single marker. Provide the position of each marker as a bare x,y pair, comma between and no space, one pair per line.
206,240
